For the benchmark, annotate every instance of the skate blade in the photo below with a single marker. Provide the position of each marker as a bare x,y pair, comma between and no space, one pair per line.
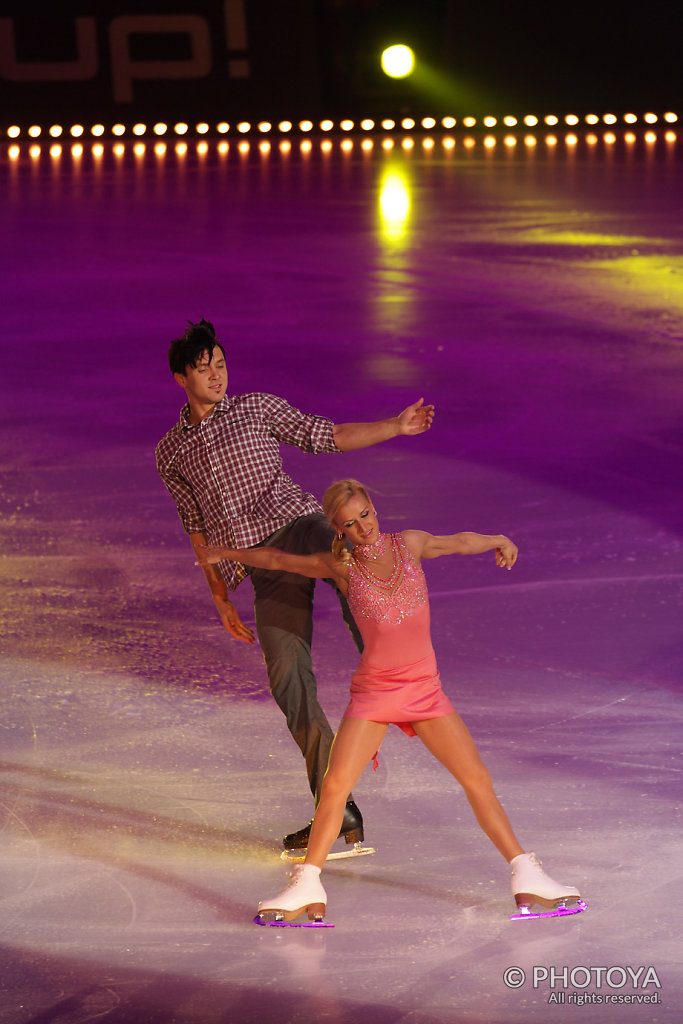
565,908
357,850
271,919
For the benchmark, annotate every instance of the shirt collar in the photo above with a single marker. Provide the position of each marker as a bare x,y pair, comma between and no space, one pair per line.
219,409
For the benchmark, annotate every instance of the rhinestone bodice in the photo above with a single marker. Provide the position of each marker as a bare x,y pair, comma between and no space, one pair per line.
392,600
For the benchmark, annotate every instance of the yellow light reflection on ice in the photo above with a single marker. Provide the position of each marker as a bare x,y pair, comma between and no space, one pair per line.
394,205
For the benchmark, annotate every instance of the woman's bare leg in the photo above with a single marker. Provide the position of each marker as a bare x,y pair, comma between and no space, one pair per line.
355,743
449,740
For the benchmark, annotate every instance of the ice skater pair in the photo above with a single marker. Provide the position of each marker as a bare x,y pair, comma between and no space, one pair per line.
397,681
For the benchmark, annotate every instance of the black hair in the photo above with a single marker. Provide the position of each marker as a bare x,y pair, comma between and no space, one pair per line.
188,350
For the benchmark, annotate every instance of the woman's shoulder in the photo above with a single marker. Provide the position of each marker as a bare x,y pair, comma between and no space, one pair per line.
414,541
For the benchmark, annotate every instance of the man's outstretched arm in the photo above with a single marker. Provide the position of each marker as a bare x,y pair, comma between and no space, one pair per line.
219,591
414,420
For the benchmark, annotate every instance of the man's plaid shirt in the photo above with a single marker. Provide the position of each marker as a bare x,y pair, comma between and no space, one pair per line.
225,473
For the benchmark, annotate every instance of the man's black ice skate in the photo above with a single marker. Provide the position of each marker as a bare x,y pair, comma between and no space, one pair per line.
296,843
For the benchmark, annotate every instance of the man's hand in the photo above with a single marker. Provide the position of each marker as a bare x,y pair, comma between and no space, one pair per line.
232,622
416,418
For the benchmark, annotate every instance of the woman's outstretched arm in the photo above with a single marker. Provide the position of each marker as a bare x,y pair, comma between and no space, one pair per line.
428,545
321,565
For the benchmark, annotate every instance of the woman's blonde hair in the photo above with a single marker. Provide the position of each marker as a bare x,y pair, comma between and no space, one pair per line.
336,495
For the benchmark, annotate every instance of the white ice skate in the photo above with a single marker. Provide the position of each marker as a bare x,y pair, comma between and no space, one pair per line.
303,895
530,886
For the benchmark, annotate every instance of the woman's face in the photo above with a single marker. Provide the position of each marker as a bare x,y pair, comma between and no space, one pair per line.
357,520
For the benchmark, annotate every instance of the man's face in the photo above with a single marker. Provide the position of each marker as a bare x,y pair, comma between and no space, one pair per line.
206,382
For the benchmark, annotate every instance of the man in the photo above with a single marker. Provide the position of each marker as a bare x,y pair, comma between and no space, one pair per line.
221,464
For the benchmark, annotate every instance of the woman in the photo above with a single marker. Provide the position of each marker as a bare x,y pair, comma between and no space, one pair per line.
397,681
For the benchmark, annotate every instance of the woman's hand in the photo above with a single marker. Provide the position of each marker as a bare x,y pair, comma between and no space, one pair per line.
208,555
506,554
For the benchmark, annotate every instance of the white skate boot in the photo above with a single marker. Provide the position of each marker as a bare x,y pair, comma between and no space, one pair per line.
531,885
304,894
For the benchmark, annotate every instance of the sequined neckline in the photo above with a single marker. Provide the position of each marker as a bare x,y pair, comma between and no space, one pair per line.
370,596
371,577
372,552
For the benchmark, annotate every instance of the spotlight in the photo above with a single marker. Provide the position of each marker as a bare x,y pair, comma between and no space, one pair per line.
398,61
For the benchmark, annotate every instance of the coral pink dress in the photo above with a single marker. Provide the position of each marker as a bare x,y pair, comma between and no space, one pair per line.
397,680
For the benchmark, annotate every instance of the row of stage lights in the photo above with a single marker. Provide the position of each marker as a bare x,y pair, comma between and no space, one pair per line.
265,128
285,146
